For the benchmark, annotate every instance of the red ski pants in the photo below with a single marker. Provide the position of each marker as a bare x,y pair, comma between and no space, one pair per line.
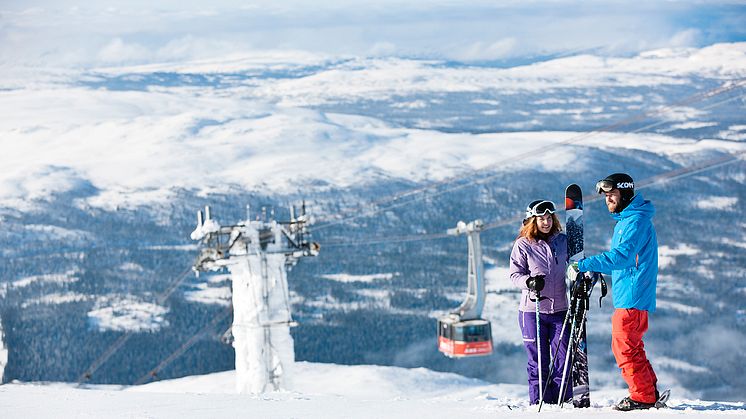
627,327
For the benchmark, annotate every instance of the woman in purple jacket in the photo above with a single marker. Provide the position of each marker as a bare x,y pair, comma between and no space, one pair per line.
538,263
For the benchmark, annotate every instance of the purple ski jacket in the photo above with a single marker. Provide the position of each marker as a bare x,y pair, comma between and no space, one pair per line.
531,258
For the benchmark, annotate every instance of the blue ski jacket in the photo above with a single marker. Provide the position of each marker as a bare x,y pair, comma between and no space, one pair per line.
632,260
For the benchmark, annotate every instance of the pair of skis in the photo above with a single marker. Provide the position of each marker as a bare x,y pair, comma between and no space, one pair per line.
580,288
576,357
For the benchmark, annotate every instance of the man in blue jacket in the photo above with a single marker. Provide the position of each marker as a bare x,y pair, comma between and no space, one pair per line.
632,262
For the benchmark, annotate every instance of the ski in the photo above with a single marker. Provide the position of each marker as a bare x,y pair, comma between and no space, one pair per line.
579,292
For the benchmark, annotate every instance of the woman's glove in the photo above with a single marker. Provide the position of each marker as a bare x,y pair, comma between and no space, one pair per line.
535,283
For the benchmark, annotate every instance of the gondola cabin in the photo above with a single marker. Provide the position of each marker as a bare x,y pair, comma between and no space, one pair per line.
459,339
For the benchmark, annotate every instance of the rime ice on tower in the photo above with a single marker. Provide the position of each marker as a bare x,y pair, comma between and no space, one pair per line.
257,254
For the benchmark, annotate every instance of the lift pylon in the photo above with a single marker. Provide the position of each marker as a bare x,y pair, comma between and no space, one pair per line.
258,254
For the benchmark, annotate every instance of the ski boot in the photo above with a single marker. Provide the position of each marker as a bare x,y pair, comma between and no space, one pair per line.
627,404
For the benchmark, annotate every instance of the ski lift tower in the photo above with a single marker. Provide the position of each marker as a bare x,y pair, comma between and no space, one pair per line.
258,255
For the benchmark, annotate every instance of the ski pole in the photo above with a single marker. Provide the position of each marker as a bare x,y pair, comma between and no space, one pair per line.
568,360
570,312
538,343
579,311
554,358
570,344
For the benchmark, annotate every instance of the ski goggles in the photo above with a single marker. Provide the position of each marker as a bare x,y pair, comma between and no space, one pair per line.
607,186
604,186
539,208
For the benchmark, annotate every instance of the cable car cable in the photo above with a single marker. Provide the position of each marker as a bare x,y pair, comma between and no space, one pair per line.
726,87
153,373
645,183
114,347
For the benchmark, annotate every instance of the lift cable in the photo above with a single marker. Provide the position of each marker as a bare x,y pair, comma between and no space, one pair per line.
726,87
153,374
114,347
654,180
498,174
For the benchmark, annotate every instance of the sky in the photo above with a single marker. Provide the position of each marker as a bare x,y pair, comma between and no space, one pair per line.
85,34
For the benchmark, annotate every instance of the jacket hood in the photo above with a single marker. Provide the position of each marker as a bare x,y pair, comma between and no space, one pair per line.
638,206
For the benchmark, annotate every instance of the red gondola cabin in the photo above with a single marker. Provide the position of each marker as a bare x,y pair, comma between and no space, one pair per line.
458,339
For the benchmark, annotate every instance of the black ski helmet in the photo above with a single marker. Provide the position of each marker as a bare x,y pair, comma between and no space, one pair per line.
539,207
621,181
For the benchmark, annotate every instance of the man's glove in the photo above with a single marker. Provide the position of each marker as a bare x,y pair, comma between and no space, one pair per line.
535,283
572,272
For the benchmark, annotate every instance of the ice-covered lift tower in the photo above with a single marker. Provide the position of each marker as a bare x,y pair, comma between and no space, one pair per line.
258,254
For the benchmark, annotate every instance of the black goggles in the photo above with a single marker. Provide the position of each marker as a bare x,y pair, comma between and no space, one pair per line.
540,208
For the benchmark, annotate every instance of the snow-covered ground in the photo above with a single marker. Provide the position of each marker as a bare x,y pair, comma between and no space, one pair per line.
322,391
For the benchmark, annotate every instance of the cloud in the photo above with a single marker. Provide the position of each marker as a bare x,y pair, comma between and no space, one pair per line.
502,48
111,32
383,49
119,52
685,38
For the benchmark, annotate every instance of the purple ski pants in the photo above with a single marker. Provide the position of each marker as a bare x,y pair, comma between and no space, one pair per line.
551,325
